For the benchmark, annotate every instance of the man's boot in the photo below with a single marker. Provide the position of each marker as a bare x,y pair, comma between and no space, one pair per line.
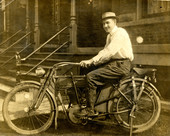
89,111
91,101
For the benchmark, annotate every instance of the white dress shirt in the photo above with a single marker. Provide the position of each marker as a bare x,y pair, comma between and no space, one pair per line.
118,46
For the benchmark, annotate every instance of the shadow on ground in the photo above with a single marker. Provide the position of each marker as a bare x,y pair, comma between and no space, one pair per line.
161,128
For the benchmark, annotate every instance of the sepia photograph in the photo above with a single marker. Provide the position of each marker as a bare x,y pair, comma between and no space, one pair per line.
85,67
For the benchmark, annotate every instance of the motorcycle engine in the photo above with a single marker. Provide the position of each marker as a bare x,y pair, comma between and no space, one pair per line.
72,117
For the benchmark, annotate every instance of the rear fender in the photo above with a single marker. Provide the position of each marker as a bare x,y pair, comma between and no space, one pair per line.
142,80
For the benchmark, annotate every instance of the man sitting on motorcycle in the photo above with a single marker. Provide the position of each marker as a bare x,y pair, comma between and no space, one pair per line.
114,60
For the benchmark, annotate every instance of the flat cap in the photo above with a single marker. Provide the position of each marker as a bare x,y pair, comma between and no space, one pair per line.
109,15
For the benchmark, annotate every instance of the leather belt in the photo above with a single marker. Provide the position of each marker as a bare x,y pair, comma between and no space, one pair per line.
120,59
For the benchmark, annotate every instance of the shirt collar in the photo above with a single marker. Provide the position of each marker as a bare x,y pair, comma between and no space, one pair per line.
113,30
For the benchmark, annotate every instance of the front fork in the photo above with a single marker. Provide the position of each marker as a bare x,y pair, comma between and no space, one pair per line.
61,101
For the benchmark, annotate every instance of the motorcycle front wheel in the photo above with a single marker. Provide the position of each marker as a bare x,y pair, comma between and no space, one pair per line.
19,114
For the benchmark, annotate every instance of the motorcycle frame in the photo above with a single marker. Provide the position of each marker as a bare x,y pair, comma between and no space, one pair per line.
52,74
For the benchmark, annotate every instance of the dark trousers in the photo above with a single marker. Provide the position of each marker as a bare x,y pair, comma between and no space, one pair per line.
113,70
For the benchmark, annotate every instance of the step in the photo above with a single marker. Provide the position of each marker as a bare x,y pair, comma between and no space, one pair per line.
48,62
6,84
14,49
4,90
46,65
26,67
50,49
5,58
63,56
49,59
8,80
4,71
32,73
55,55
12,61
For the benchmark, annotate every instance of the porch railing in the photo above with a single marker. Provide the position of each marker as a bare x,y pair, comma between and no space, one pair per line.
7,4
8,39
12,45
13,57
19,60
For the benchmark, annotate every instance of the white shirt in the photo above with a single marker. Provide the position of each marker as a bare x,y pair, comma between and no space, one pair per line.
118,46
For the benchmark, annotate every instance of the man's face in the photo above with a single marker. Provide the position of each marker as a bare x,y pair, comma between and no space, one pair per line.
109,24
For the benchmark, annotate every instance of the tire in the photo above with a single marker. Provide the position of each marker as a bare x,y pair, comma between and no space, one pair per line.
16,111
147,111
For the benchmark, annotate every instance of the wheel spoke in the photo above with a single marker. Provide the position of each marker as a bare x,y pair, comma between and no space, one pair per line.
32,122
45,116
39,120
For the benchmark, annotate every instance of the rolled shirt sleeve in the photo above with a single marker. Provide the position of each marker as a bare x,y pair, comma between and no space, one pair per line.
119,47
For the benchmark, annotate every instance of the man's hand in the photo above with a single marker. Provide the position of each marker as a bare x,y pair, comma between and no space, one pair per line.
86,63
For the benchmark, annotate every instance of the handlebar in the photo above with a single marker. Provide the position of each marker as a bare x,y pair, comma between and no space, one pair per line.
61,64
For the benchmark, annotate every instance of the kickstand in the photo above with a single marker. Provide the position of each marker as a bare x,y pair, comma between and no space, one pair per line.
131,125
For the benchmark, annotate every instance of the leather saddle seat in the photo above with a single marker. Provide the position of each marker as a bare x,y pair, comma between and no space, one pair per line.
144,71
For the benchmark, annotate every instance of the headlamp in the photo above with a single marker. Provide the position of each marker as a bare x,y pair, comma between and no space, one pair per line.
40,72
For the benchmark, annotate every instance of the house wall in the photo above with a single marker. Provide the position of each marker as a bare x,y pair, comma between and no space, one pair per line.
154,28
151,33
90,31
17,18
65,7
133,16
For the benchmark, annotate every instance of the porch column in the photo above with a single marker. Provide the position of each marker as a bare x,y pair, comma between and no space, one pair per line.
27,22
4,15
139,10
6,23
73,30
36,29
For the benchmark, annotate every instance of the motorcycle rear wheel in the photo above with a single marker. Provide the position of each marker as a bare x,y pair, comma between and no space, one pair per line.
17,113
147,111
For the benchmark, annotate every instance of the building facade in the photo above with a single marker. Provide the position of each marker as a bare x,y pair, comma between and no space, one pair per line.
148,19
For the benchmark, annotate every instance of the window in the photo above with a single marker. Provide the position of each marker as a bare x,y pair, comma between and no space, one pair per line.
158,6
153,8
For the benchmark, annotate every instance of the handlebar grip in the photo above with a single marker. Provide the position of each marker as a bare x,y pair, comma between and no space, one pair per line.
76,63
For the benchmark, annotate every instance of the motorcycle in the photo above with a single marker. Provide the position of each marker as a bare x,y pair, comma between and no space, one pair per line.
133,102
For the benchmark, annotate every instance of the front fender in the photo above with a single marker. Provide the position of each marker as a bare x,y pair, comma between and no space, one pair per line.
38,84
30,82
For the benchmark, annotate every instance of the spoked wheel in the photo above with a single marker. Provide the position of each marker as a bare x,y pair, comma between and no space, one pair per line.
147,109
21,117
